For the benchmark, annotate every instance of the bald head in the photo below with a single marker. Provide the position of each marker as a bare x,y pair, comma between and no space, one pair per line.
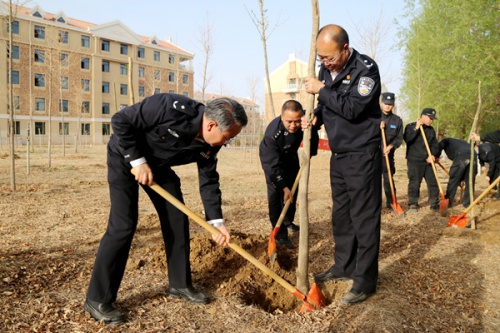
333,33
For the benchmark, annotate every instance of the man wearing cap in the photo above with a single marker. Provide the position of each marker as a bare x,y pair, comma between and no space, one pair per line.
490,153
418,160
393,126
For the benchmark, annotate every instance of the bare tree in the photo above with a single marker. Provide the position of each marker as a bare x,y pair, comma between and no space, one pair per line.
207,45
261,22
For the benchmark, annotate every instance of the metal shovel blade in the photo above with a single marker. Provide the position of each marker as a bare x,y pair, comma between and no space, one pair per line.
396,208
315,300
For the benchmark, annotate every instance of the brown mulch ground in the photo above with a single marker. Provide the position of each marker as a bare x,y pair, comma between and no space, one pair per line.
432,278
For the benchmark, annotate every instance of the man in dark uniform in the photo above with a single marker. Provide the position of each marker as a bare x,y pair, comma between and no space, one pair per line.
348,105
492,137
280,162
490,153
393,126
150,137
418,160
459,152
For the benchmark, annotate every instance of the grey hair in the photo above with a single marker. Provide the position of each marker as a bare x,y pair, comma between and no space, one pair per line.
226,112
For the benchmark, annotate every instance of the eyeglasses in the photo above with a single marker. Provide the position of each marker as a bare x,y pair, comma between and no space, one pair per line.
226,139
328,61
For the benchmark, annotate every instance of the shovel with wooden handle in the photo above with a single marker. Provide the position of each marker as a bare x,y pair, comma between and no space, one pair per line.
443,204
314,299
271,247
395,206
460,221
462,183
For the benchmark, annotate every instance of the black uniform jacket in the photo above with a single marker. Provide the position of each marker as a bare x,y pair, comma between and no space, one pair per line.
415,145
163,129
493,137
278,153
490,153
393,129
349,106
454,148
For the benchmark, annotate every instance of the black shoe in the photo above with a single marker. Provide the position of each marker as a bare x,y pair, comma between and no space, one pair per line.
413,208
293,227
105,312
435,208
285,242
354,296
189,294
328,275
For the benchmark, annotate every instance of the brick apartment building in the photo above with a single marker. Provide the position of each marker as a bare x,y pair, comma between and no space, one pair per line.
69,77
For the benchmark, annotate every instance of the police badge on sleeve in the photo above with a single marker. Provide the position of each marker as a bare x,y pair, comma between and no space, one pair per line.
365,86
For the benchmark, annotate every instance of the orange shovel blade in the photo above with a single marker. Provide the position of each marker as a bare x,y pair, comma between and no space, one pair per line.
396,207
459,221
315,300
271,247
443,205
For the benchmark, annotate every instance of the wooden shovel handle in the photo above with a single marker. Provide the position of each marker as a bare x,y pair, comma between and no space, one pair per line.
389,173
183,208
288,202
431,158
482,195
444,169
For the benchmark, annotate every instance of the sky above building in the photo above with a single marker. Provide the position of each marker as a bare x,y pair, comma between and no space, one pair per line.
237,49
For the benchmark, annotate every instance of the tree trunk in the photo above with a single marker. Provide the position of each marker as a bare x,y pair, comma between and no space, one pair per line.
302,266
472,143
12,125
270,114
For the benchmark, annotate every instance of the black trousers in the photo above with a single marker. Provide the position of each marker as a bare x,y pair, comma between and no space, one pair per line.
459,171
385,174
114,248
356,181
275,202
416,172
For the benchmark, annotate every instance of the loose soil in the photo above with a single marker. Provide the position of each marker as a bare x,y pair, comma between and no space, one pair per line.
432,278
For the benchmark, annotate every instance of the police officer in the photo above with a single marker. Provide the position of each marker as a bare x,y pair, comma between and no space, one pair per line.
393,126
150,137
418,160
280,162
490,153
492,137
348,105
459,152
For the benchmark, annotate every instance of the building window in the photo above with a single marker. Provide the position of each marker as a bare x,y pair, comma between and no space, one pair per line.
105,87
105,66
17,103
39,80
106,129
171,77
85,63
85,107
85,41
140,52
142,92
157,91
63,128
61,19
17,127
39,104
85,85
185,94
141,71
105,45
64,82
122,106
63,37
64,60
15,52
123,69
63,105
85,128
37,14
171,91
15,27
105,108
39,56
39,128
157,75
39,32
157,55
185,79
15,77
123,49
171,59
123,89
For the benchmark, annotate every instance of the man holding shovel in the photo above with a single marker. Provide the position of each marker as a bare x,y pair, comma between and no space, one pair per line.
393,126
150,137
418,159
348,92
280,162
